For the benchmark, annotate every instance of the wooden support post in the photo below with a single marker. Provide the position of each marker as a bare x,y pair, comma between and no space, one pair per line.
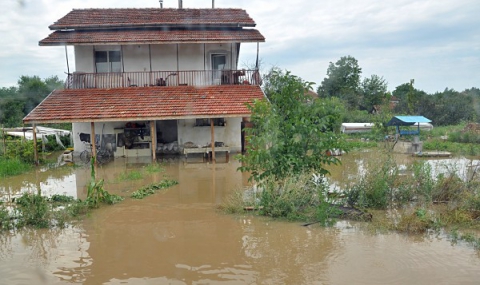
4,141
35,151
92,141
153,137
212,130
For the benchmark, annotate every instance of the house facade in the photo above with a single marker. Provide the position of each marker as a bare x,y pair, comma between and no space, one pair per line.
152,81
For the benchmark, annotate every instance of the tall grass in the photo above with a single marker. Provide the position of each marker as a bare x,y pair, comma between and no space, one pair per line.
13,166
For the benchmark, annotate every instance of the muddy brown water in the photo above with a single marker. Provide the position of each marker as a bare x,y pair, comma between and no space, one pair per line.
178,237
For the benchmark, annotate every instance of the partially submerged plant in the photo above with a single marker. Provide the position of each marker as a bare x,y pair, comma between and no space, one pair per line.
96,194
152,188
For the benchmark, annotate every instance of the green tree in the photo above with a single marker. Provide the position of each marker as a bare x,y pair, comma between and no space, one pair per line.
291,132
33,90
17,102
448,107
342,81
374,90
409,99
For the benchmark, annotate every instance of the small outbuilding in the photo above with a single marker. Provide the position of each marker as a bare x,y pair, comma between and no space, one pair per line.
407,122
410,121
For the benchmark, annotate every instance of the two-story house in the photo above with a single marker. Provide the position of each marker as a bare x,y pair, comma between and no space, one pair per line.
153,80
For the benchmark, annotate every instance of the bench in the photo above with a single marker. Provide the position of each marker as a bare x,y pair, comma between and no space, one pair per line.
186,151
207,151
218,149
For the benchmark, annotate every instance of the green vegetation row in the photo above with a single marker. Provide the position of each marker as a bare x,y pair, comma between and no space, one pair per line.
57,211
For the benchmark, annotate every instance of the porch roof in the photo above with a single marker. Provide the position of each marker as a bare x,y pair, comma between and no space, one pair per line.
150,36
152,17
144,103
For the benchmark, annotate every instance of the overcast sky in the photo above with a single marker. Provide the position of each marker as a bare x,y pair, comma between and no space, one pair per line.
437,43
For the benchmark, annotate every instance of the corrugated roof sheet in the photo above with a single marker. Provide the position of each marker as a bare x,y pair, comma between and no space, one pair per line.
150,36
145,103
407,120
152,17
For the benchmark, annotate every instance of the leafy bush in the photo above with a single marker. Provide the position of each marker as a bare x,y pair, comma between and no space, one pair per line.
33,210
22,150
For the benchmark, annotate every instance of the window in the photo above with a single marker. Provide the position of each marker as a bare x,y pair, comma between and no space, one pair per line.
206,122
108,61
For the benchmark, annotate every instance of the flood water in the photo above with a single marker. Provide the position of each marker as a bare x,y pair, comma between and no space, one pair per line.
178,236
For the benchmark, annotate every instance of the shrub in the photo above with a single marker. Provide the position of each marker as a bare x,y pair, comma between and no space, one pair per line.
376,188
33,210
294,198
22,150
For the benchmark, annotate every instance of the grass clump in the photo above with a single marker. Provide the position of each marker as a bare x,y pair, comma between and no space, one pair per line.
130,175
13,166
152,188
294,198
154,168
415,200
468,237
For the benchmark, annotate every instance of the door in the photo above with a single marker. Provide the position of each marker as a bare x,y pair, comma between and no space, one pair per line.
218,64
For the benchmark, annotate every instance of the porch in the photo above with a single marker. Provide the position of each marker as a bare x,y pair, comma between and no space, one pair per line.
83,80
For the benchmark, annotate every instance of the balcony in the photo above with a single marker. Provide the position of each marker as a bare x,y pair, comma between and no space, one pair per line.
80,80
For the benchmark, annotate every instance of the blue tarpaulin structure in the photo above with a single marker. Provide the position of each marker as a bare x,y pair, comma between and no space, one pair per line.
398,121
407,120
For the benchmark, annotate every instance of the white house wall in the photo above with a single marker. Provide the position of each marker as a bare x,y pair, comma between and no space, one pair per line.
163,57
230,134
84,59
78,128
136,58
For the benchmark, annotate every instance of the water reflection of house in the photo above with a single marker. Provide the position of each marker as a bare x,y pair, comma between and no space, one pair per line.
152,78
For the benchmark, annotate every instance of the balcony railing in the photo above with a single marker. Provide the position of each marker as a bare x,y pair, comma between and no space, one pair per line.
80,80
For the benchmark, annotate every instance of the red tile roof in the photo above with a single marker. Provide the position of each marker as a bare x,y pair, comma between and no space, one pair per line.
152,17
151,36
145,103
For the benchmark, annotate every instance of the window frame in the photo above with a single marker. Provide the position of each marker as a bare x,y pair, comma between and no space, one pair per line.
108,57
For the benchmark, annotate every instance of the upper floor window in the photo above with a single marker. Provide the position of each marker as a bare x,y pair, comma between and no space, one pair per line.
108,61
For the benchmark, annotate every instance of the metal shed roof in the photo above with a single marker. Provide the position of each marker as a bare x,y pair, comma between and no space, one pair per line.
407,120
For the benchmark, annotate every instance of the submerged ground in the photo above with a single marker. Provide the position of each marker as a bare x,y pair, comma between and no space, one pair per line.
178,236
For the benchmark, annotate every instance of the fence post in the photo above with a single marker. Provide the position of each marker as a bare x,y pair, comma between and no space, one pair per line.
35,151
4,141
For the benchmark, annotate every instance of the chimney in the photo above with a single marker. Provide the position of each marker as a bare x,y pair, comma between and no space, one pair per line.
180,5
161,4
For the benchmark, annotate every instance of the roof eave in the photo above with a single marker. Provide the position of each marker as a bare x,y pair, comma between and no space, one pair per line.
149,43
132,119
162,25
